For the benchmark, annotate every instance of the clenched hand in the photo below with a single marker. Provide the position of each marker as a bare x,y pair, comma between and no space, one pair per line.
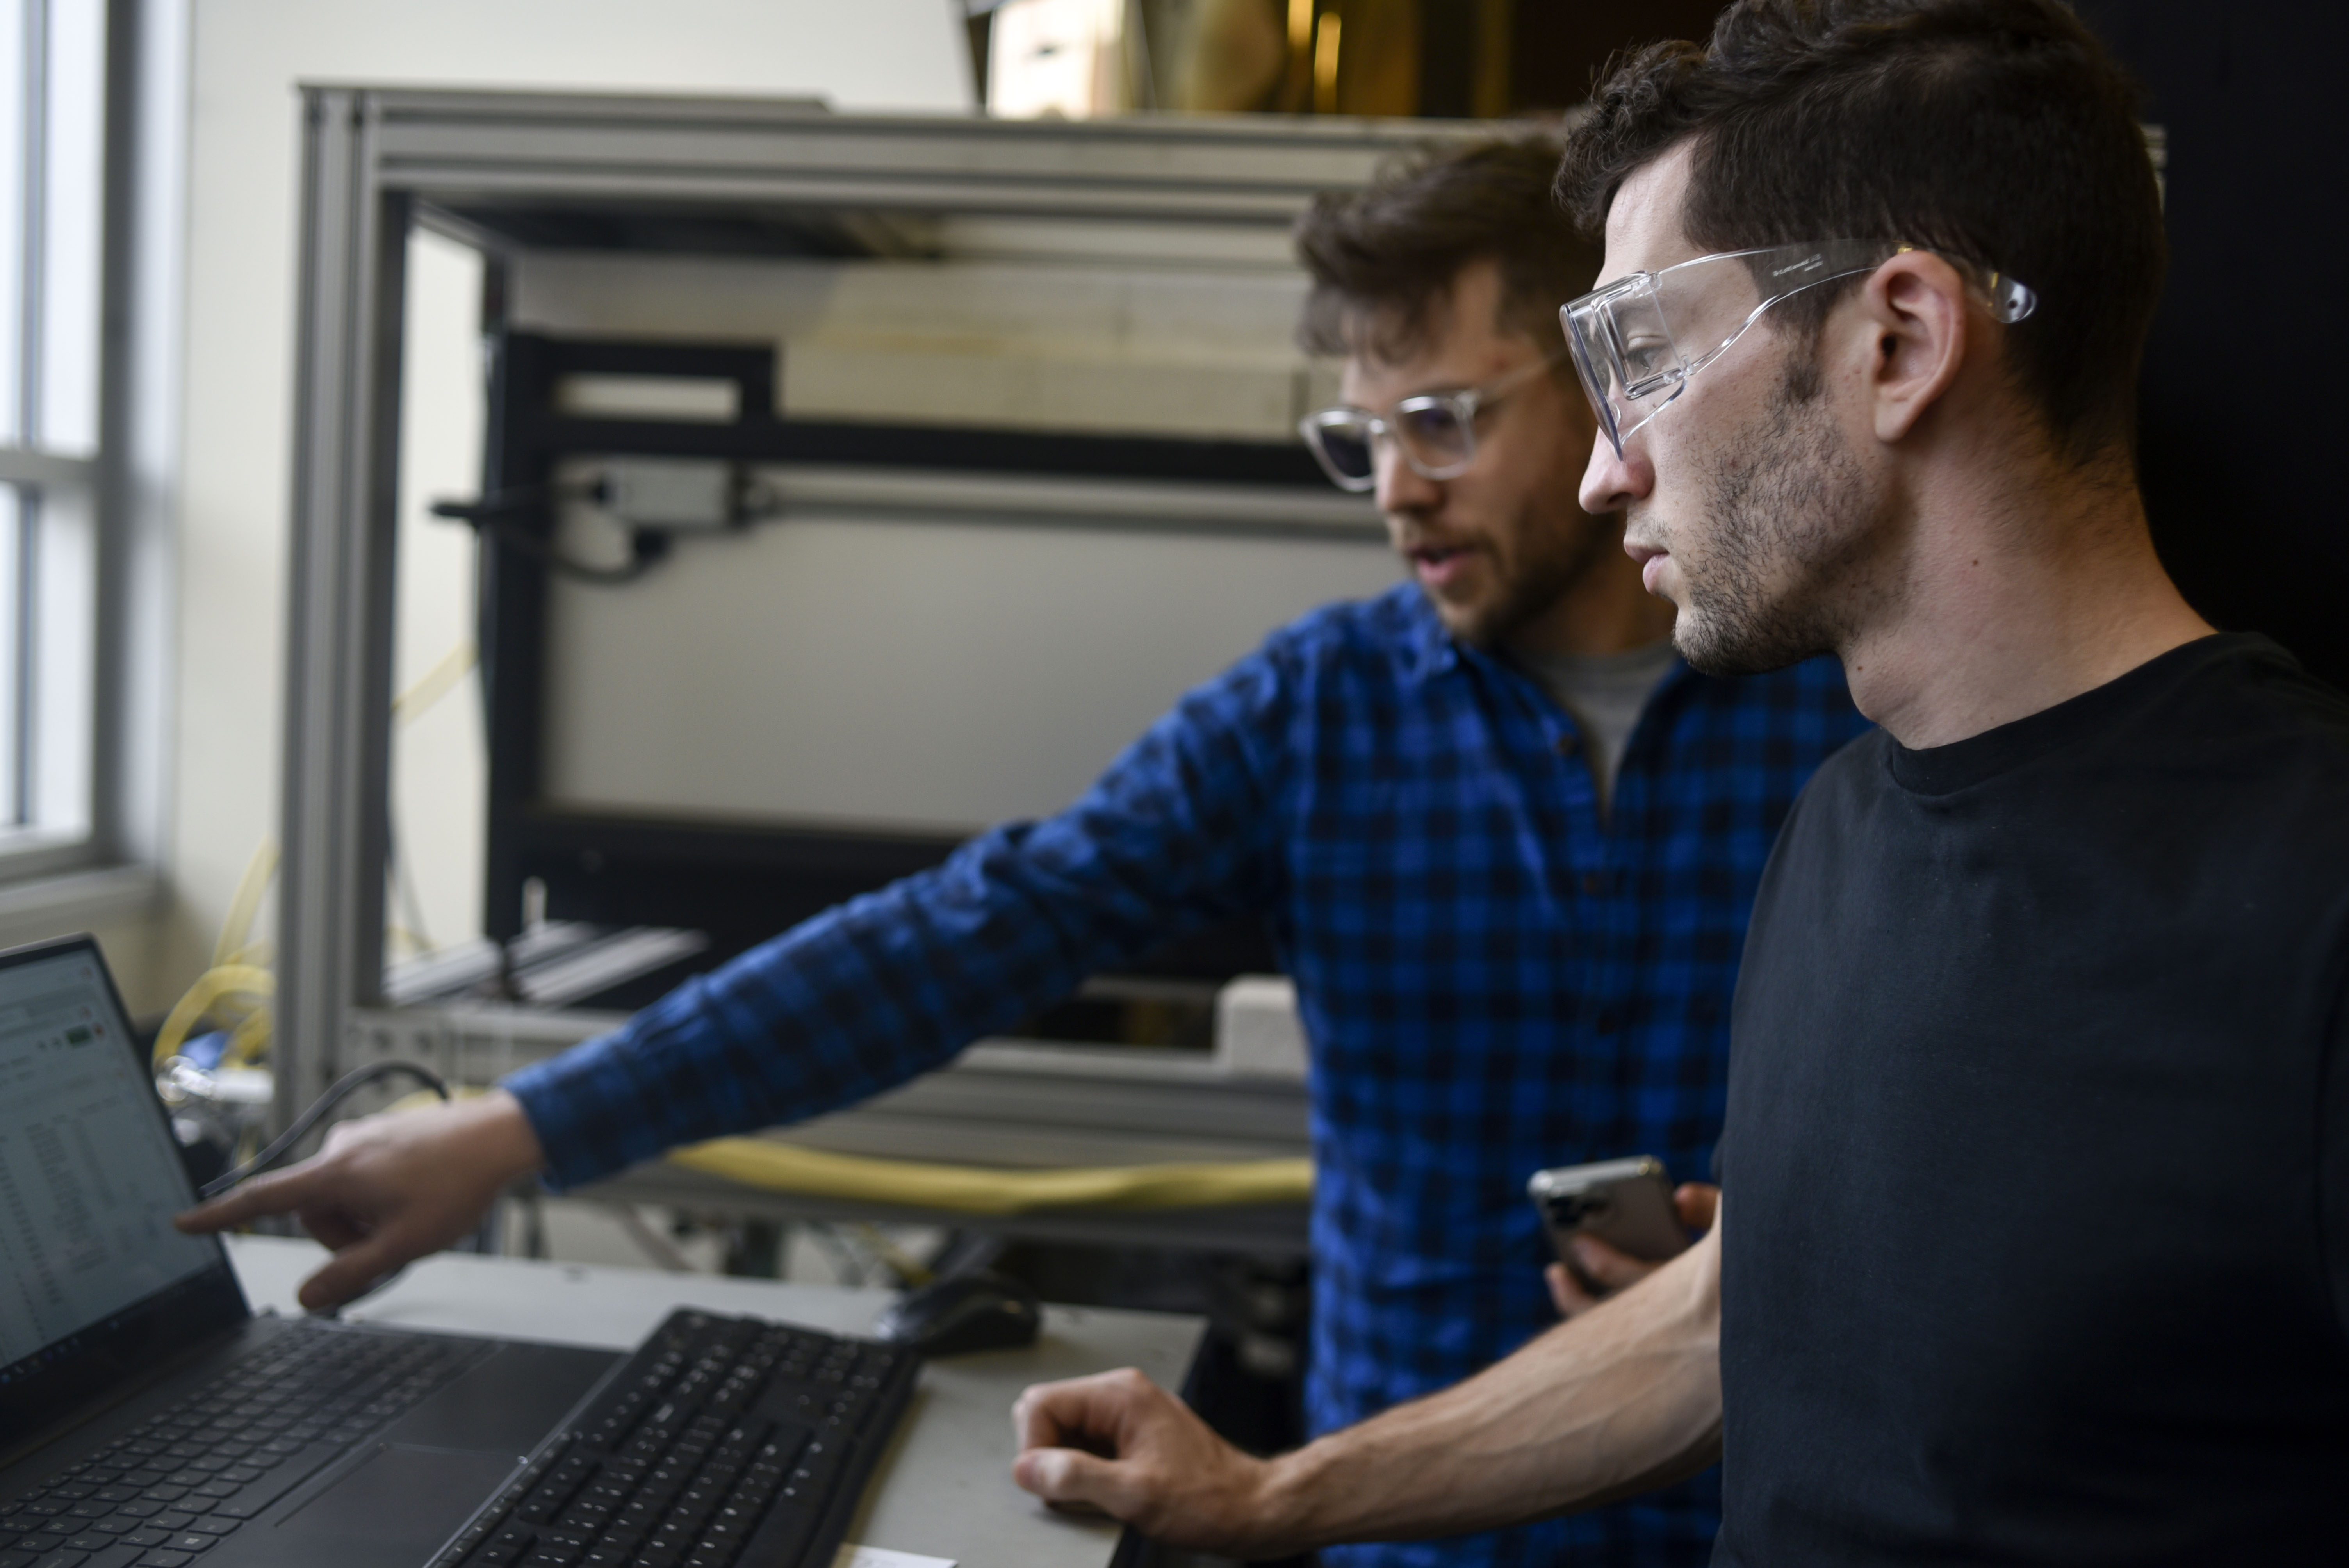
1120,1443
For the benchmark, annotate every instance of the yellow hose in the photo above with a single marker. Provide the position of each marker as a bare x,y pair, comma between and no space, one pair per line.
434,684
250,1039
978,1188
212,985
985,1190
237,929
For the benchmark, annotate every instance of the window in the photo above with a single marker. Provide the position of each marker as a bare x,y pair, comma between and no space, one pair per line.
52,136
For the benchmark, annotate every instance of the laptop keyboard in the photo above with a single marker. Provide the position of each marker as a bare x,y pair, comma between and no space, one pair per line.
165,1493
722,1440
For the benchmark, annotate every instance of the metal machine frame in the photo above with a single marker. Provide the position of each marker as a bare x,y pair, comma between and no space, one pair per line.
379,161
741,882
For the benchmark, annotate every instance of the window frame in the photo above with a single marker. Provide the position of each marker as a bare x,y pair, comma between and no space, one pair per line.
106,866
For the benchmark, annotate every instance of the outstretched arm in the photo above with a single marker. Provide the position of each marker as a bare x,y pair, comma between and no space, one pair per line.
1174,836
1625,1398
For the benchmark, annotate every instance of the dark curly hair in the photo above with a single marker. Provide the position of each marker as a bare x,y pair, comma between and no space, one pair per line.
1381,256
1997,132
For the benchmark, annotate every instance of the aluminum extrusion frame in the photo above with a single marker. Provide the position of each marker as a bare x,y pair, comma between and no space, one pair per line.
376,161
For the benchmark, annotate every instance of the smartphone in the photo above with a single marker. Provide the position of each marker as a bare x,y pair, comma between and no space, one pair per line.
1627,1204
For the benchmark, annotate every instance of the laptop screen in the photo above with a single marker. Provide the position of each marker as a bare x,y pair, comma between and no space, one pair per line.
90,1178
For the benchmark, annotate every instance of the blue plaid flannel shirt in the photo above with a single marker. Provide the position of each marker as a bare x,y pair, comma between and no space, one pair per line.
1492,981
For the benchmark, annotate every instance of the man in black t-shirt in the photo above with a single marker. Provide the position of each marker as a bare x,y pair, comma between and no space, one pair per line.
2038,1140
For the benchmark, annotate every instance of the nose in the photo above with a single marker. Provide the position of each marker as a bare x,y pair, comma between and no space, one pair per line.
1612,482
1401,488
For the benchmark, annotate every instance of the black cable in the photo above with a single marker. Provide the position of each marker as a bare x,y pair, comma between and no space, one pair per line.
509,502
492,516
344,1087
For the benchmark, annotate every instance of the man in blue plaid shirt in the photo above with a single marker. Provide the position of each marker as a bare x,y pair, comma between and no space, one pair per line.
1506,842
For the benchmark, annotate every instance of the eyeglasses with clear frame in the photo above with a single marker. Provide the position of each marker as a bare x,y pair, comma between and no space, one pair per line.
1435,431
1637,341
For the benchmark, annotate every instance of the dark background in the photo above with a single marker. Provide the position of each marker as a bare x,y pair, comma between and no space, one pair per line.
2244,415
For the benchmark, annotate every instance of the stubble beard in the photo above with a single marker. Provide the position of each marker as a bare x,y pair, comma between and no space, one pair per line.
1789,531
1534,581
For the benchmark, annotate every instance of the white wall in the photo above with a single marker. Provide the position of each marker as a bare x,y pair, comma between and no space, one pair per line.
440,758
819,667
243,151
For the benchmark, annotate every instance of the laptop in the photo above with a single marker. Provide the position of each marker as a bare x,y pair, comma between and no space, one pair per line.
251,1439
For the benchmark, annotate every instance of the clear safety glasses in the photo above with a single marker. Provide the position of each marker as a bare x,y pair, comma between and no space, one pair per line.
1637,341
1436,431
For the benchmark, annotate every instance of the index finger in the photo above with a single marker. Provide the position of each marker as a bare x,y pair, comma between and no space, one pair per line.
278,1192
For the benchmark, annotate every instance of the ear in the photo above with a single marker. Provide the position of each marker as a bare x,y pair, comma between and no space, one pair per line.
1914,309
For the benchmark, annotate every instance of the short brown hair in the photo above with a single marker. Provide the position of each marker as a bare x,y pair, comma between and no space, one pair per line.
1381,256
1996,132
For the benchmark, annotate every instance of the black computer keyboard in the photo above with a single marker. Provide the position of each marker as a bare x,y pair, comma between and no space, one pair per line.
722,1439
168,1490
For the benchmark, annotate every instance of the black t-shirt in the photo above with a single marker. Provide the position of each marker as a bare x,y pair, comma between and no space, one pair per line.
2037,1163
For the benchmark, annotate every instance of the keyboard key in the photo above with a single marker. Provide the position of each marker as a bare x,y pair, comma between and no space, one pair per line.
191,1542
784,1535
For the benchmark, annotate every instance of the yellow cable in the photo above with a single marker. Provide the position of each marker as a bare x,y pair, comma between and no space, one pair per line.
250,1039
434,684
237,929
978,1188
212,985
911,1272
984,1190
236,972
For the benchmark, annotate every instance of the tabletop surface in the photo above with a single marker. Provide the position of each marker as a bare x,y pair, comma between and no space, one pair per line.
944,1489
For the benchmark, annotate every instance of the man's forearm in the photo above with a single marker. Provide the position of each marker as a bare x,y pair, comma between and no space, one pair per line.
1625,1398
